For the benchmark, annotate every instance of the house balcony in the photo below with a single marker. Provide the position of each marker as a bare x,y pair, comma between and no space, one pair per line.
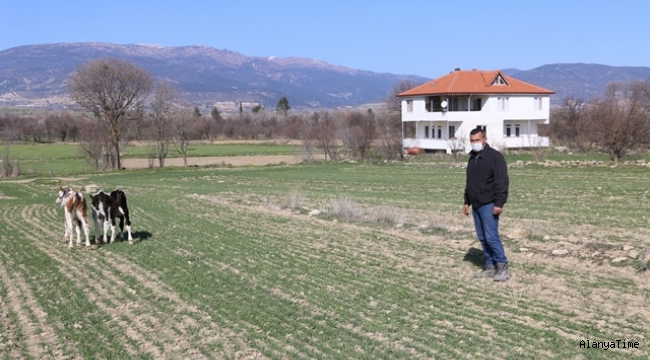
525,141
428,144
509,142
457,116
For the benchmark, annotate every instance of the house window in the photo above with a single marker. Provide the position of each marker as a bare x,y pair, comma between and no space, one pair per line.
476,105
503,103
484,128
433,103
426,132
454,104
439,132
452,131
409,105
508,130
517,130
537,103
499,81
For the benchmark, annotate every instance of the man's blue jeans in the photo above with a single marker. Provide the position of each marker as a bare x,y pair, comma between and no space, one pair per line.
487,230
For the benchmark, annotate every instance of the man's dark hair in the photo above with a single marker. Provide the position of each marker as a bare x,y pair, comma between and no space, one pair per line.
476,131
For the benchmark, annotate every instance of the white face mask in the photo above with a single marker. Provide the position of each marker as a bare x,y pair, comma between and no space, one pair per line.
477,147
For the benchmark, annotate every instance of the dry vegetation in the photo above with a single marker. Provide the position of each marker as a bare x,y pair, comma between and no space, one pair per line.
617,124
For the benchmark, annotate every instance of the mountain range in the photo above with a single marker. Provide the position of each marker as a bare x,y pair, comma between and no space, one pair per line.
34,75
205,77
579,80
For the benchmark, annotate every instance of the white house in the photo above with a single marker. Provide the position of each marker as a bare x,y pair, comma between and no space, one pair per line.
446,109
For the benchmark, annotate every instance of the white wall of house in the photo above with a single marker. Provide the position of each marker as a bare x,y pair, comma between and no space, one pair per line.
498,112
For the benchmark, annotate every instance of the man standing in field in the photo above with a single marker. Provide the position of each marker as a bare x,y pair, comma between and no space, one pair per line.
486,191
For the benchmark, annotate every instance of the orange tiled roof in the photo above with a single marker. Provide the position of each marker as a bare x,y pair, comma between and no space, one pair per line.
475,82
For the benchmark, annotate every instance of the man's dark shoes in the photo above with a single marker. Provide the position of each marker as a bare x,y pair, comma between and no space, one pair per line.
487,272
502,273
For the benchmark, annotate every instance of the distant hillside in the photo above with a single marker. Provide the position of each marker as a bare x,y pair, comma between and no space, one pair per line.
584,81
34,75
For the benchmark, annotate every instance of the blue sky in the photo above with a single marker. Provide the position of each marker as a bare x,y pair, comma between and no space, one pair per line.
426,38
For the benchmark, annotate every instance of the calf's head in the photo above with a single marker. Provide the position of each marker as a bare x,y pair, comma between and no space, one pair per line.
63,191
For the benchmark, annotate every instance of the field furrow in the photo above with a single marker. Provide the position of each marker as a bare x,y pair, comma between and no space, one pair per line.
153,318
40,340
98,289
371,252
358,284
220,269
188,314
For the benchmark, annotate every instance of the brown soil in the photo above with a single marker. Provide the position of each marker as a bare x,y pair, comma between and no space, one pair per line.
258,160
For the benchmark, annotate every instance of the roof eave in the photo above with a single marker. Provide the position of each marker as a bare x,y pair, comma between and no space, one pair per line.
481,93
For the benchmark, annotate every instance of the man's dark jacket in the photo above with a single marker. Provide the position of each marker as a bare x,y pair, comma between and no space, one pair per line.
487,178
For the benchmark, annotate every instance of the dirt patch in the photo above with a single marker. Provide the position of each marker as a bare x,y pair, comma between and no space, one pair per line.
21,181
5,197
257,160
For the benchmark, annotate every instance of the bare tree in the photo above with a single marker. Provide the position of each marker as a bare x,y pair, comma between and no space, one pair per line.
71,124
113,91
458,143
389,131
93,145
9,167
622,118
8,128
26,129
62,125
323,130
185,127
393,104
269,126
218,122
570,125
163,98
49,123
21,128
359,133
307,142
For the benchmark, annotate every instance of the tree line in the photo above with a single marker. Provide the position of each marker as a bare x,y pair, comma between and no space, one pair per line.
119,102
617,124
336,133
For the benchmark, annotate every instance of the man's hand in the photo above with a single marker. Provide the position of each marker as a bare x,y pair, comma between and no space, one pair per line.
497,210
466,210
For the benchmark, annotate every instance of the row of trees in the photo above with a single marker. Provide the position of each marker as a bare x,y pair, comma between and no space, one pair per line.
168,127
115,92
124,104
53,127
617,123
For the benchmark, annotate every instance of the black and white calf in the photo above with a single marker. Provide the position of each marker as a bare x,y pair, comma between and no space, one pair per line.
107,207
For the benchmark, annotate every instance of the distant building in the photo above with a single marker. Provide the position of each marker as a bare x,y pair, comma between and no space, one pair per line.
446,109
